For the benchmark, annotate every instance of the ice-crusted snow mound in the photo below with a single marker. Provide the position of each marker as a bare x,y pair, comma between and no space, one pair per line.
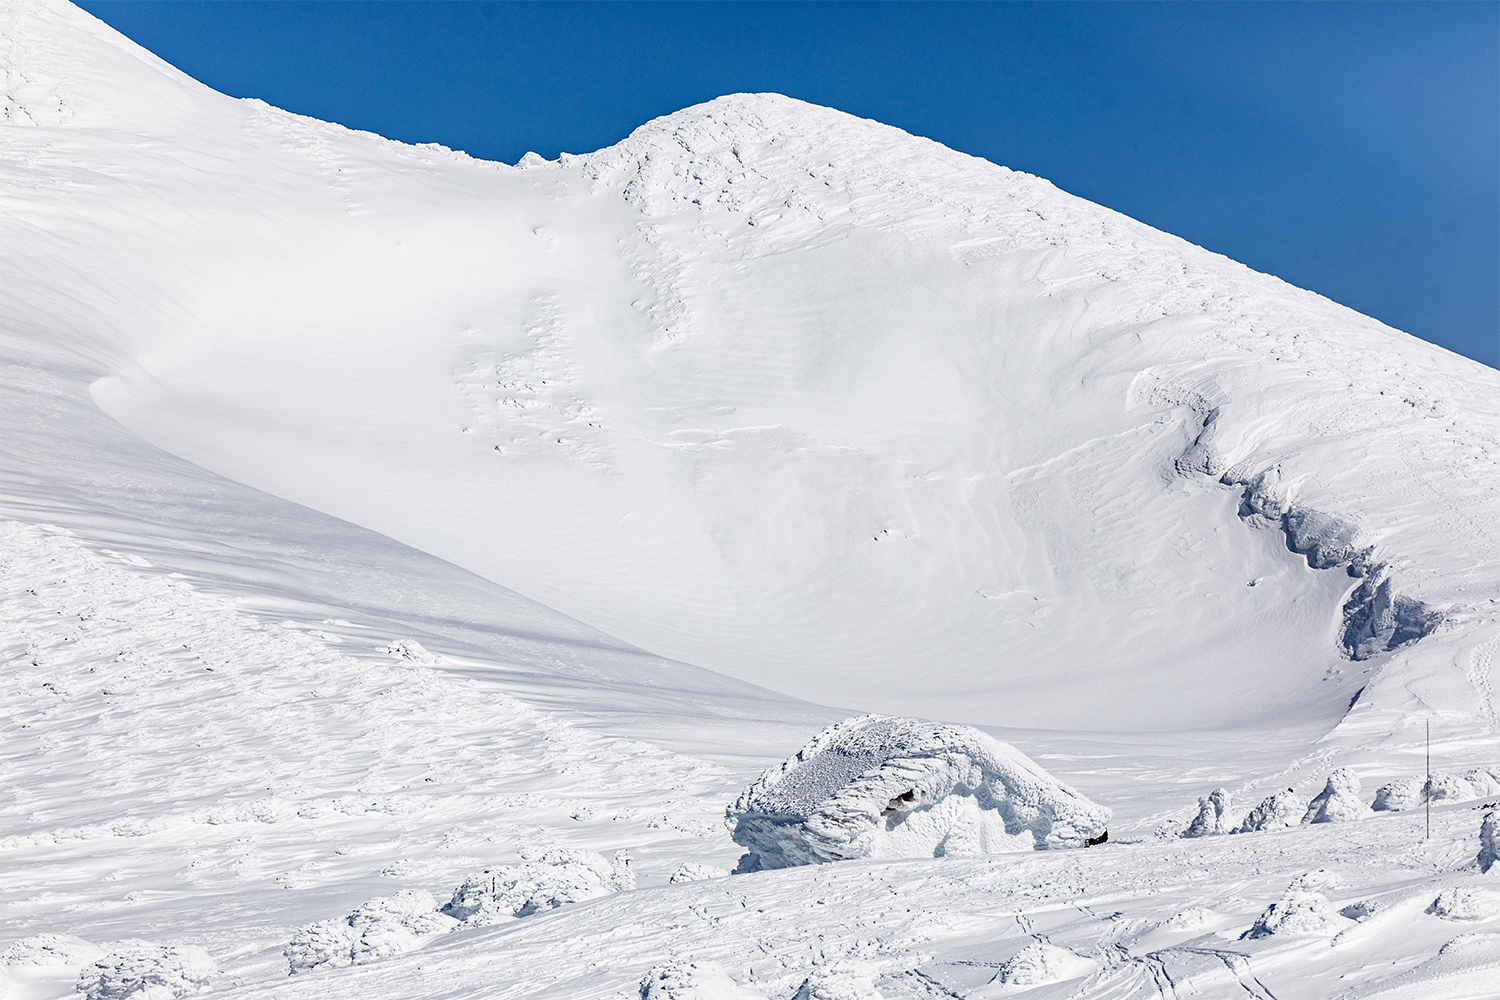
888,787
693,981
377,929
140,971
544,880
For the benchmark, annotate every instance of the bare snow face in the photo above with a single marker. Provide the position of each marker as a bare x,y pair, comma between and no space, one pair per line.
881,787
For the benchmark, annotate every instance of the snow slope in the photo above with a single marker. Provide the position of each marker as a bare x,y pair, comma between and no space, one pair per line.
294,416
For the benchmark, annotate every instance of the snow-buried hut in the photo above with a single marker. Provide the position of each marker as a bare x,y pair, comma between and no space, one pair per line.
884,787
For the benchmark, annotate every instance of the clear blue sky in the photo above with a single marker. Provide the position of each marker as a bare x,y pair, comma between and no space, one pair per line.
1350,148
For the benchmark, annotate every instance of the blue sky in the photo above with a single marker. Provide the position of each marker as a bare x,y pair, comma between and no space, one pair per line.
1350,148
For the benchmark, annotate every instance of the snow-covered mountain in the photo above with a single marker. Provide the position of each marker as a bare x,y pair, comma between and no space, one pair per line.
765,403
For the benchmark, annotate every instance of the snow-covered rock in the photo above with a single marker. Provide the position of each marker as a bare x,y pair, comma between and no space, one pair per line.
377,929
1410,792
544,880
141,971
1274,812
1042,962
691,871
841,981
1339,800
1301,911
1462,902
1213,815
1489,841
693,981
887,787
51,949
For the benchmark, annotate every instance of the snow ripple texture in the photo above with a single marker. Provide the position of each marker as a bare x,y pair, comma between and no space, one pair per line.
881,787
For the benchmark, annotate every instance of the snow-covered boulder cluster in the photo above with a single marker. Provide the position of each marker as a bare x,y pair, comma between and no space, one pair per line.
142,971
1301,911
693,981
888,787
1408,793
544,880
376,929
1275,811
1489,841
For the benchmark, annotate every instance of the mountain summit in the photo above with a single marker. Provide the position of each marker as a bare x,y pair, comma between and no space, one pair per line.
784,393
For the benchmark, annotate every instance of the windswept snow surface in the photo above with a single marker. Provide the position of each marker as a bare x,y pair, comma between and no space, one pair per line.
375,520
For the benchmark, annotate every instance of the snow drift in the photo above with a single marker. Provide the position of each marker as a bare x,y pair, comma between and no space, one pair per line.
884,787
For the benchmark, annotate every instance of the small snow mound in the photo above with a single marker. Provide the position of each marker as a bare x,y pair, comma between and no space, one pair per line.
1213,815
141,971
841,981
1190,920
411,651
545,880
531,159
1276,811
1040,962
379,928
693,981
1301,911
51,949
1464,903
885,787
691,871
1489,841
1338,802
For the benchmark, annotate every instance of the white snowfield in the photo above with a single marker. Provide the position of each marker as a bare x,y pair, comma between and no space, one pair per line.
882,787
405,559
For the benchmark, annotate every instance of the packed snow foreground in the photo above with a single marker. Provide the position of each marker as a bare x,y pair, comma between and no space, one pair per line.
882,787
354,494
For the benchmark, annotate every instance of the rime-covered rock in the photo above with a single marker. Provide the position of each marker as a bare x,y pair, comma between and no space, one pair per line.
1274,812
1411,792
1489,841
1213,815
884,787
1301,911
141,971
693,981
1462,902
841,981
691,871
544,880
51,949
1339,800
378,928
1041,962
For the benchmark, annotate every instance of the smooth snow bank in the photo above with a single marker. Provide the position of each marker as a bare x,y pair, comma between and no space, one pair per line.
887,787
141,971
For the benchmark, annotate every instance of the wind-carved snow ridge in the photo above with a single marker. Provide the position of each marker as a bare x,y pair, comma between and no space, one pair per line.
1376,619
888,787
